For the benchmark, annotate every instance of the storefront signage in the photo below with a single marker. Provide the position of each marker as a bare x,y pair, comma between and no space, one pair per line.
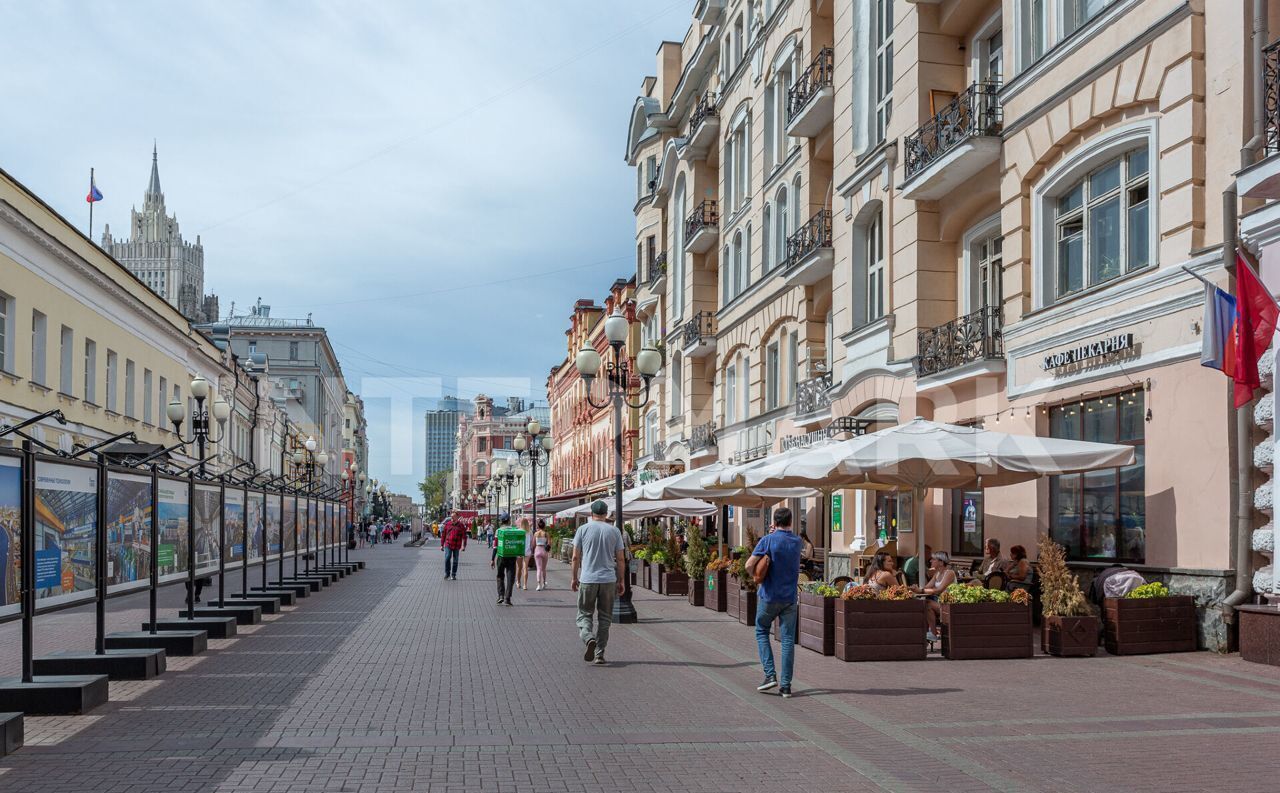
1094,349
837,512
844,425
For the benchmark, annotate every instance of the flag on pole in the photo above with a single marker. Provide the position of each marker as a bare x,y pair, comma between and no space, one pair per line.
1218,344
94,193
1256,313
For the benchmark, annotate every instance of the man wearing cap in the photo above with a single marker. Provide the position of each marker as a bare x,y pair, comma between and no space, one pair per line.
599,564
508,546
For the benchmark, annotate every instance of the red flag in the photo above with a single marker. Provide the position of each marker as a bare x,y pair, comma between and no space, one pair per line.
1255,325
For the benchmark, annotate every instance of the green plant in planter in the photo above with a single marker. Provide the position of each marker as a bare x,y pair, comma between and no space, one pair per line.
657,557
821,589
1155,589
697,555
642,554
1060,594
673,550
964,593
738,569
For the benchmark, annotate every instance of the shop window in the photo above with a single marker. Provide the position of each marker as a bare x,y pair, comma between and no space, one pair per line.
1101,515
967,532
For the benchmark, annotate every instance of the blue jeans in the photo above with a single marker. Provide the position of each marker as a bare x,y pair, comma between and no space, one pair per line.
451,561
788,615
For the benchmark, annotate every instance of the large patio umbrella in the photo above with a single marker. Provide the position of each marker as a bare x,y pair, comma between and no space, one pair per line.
924,454
635,508
690,485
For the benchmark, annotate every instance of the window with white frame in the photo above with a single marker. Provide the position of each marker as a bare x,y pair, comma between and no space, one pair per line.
651,432
882,44
744,272
793,361
784,228
875,268
112,379
737,160
39,347
986,269
731,395
766,252
146,396
739,41
1042,24
6,332
130,383
162,402
772,372
797,204
677,252
90,371
66,358
1102,224
677,385
744,371
777,143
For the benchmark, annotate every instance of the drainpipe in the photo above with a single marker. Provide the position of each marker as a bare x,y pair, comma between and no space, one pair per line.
1239,430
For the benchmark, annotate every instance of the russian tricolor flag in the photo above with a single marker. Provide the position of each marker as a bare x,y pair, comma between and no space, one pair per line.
1218,345
1238,329
94,193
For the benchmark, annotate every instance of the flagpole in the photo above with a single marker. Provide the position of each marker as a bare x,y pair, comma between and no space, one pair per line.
91,205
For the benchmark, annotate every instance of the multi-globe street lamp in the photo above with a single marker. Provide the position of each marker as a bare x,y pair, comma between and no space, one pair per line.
200,429
618,391
507,475
308,459
534,450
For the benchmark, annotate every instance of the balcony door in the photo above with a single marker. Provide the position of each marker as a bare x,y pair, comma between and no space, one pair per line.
984,259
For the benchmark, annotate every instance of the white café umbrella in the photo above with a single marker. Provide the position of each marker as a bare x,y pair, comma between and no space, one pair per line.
690,484
924,454
634,508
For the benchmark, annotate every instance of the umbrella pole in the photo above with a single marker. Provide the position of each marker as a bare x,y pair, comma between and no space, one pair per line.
917,517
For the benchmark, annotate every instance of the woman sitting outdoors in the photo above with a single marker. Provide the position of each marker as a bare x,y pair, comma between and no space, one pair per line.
941,576
882,573
1018,570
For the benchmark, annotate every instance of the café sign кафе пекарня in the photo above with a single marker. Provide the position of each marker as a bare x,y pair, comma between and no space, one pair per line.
1095,349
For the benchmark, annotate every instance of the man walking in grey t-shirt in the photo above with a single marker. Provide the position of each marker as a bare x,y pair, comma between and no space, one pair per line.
599,564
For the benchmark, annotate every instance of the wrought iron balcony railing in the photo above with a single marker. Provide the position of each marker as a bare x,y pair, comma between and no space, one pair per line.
706,108
1271,95
703,215
811,81
703,436
813,394
657,268
700,327
975,112
814,234
973,337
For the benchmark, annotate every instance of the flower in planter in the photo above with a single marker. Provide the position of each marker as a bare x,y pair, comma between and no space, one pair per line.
820,588
1155,589
1020,596
860,592
897,592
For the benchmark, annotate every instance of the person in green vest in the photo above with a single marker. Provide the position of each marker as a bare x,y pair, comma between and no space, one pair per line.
508,546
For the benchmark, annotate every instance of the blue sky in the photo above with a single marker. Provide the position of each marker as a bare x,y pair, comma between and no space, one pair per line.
434,182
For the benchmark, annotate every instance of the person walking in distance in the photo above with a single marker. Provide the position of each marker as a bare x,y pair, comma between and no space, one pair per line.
541,543
599,564
508,546
453,543
775,566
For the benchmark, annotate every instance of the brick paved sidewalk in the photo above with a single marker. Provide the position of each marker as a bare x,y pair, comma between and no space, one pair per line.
395,680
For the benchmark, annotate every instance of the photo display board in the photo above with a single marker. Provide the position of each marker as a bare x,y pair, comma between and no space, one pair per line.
255,522
128,529
234,518
274,518
290,525
171,510
10,532
309,539
66,529
328,523
208,514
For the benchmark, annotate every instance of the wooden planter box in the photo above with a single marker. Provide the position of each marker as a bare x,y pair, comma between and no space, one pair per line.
674,582
1150,625
1069,637
731,589
697,593
817,623
646,575
634,568
986,630
879,630
1259,634
747,607
716,590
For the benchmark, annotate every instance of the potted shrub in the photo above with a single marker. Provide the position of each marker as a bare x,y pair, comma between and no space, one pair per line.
642,573
696,557
985,623
716,586
1070,628
879,626
817,628
1150,620
733,583
673,580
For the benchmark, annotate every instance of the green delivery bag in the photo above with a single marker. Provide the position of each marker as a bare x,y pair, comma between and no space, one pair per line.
510,542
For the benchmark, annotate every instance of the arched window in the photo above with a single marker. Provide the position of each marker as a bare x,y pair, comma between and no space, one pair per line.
766,253
870,299
651,432
677,252
784,229
677,385
726,277
745,272
480,468
797,204
735,272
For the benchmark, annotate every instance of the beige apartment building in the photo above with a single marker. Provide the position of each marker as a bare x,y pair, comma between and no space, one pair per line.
978,212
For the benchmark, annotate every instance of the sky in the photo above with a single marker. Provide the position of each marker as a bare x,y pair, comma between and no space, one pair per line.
435,183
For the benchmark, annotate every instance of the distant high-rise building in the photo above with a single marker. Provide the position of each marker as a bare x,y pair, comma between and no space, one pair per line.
442,433
156,252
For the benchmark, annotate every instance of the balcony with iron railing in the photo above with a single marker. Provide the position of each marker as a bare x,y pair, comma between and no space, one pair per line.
813,396
1262,179
810,255
972,339
699,334
811,99
702,227
703,437
657,272
704,126
956,144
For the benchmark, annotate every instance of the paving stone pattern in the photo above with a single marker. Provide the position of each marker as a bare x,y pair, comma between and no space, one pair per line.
395,680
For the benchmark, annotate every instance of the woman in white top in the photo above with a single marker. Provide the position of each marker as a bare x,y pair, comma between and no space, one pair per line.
541,549
522,564
940,577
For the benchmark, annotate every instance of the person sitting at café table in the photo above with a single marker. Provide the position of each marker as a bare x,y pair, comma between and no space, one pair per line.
941,576
1017,570
993,562
911,567
882,572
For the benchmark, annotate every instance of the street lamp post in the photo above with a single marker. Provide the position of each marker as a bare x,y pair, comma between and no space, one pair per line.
309,459
534,451
618,392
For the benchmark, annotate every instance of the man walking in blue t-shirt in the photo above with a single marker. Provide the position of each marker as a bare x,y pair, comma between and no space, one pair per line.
779,551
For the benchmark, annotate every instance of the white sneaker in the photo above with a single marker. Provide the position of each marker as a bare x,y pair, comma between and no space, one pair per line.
930,636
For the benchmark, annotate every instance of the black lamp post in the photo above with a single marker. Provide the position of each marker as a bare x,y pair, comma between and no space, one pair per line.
619,391
200,429
534,451
309,459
